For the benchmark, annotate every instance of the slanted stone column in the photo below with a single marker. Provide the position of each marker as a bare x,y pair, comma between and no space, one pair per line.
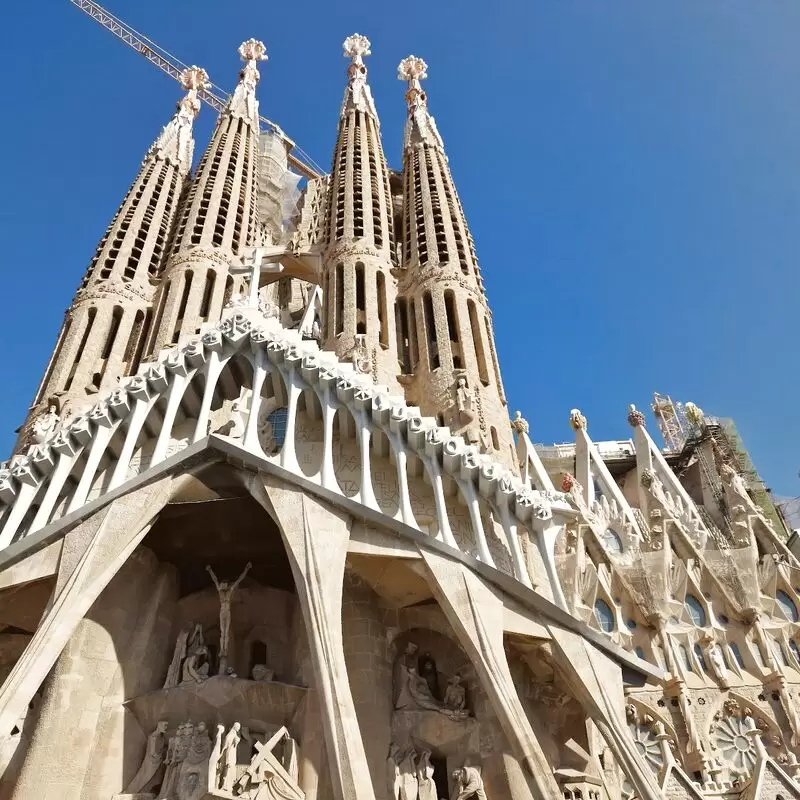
596,683
316,539
475,612
85,744
93,552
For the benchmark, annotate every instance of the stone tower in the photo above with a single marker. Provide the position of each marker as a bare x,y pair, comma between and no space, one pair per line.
358,286
218,216
105,327
445,323
247,570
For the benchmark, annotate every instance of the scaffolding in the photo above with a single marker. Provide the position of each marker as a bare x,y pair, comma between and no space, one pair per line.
672,422
685,429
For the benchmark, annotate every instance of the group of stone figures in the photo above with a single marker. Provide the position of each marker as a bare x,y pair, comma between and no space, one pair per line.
416,686
410,776
192,658
188,765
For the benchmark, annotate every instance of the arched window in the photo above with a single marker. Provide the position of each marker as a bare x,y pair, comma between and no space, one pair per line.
338,300
277,419
495,440
612,541
430,331
780,653
687,661
787,605
737,654
361,300
604,614
380,288
701,659
696,610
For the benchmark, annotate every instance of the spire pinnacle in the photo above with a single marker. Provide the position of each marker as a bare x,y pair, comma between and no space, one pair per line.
243,102
421,127
175,142
413,69
357,95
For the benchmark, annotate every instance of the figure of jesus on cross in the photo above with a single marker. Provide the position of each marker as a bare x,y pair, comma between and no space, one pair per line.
226,591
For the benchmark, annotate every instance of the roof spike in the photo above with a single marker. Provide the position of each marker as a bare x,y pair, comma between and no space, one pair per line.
357,95
243,101
421,126
175,143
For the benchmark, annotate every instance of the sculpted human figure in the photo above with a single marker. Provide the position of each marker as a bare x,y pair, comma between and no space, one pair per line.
407,659
716,662
468,783
419,690
408,776
229,748
194,769
455,696
183,740
427,788
213,759
152,765
179,654
226,591
427,670
393,771
196,664
463,399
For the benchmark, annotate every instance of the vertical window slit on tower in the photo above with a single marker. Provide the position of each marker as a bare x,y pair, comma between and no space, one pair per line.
361,303
477,338
187,287
430,331
380,286
116,318
452,328
413,342
133,365
339,298
78,355
135,335
401,330
205,305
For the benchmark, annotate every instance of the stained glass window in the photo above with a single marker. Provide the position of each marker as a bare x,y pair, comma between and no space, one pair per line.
604,614
787,605
737,654
701,659
612,541
277,419
696,610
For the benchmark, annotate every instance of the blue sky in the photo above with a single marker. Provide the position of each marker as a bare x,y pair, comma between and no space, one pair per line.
630,172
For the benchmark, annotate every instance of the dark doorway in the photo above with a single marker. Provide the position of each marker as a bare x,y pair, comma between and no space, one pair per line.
258,654
440,776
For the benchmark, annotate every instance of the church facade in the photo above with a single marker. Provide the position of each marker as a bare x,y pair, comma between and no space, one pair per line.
269,530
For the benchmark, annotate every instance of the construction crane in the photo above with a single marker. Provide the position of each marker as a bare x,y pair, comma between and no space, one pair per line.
213,96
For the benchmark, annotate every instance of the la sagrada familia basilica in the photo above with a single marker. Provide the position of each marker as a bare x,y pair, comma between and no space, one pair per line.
271,531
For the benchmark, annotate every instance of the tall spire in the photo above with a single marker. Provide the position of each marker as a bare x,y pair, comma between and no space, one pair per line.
218,216
359,288
420,126
444,321
106,325
357,95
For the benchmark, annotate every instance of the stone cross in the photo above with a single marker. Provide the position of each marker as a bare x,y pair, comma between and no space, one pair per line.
254,264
